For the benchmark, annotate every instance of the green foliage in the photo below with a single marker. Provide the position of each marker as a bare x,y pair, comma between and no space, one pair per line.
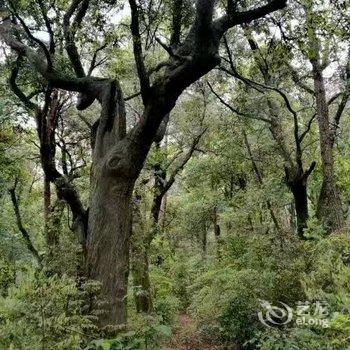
297,339
235,180
230,294
43,311
325,278
314,229
167,300
126,341
7,276
305,339
146,334
227,296
328,275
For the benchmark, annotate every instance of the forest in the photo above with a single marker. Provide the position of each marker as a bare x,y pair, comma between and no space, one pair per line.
175,175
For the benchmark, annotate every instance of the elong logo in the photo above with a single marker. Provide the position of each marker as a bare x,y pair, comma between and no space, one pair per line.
305,314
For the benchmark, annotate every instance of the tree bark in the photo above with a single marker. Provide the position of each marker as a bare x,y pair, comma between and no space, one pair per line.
109,230
51,233
143,296
329,207
298,188
160,189
204,241
296,180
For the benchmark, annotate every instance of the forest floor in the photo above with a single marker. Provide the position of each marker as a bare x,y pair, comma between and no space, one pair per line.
185,338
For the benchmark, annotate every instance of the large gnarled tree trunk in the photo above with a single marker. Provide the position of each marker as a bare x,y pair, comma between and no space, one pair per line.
109,231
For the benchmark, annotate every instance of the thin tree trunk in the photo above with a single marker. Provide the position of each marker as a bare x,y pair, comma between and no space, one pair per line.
141,246
50,229
22,229
143,297
160,189
261,182
204,243
140,262
217,233
299,191
296,180
140,273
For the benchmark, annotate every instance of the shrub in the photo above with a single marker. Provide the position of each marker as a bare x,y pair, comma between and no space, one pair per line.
43,311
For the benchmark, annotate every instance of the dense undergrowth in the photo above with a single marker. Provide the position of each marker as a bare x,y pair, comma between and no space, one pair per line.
221,295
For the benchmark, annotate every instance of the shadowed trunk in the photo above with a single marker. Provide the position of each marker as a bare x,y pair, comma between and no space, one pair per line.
296,179
299,190
301,207
204,241
159,192
140,261
217,232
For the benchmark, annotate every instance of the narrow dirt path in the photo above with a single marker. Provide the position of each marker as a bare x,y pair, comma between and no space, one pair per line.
186,338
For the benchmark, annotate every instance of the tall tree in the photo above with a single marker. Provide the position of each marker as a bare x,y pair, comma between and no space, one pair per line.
118,155
329,207
277,106
326,42
164,173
